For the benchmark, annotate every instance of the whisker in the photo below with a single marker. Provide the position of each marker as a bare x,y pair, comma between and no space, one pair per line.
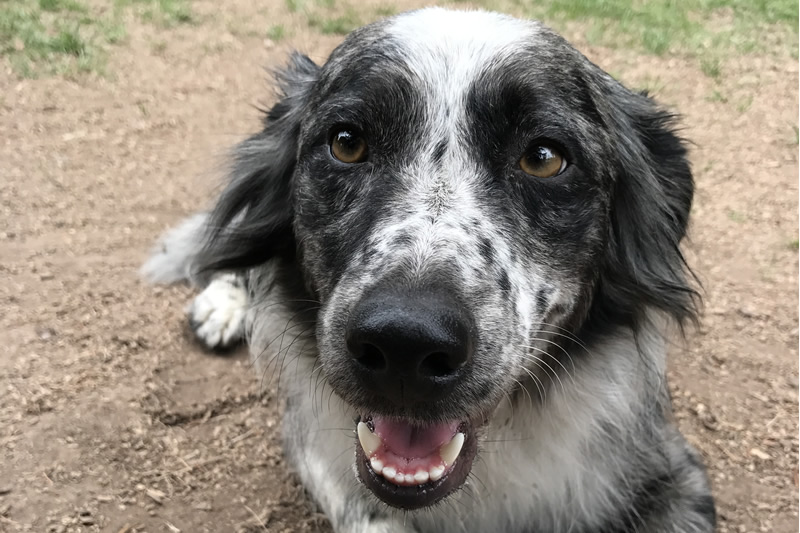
285,364
536,360
276,356
557,345
539,385
264,349
525,390
551,356
564,332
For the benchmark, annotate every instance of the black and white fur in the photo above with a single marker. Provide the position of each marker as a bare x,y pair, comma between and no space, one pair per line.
572,281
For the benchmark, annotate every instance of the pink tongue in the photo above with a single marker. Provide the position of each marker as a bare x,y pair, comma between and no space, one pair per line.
412,442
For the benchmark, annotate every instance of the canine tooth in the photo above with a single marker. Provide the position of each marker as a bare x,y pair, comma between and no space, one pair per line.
389,472
450,451
369,440
421,476
436,473
408,478
376,464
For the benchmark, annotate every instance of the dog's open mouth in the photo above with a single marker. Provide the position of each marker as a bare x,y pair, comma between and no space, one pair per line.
409,465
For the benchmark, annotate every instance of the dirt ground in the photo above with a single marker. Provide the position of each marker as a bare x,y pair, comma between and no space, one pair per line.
111,419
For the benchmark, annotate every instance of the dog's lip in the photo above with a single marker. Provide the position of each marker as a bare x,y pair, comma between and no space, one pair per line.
419,495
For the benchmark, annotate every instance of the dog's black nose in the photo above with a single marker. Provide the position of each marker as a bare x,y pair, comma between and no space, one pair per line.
409,347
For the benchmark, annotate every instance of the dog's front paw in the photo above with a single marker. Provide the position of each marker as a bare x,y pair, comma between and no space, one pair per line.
217,314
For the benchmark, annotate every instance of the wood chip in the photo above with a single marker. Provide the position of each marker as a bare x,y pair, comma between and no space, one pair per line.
156,495
764,456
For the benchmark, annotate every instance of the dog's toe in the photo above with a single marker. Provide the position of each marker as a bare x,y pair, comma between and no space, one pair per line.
217,314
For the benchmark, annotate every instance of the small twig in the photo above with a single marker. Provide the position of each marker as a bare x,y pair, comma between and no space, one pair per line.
258,518
187,468
8,521
777,415
758,396
729,454
204,462
246,435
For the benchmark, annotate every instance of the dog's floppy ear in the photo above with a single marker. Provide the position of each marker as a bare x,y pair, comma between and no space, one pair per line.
252,221
649,215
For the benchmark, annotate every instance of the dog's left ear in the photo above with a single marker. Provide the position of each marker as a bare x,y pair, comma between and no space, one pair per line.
252,220
650,209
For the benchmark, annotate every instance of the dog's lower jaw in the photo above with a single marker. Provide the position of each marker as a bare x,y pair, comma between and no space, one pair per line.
412,466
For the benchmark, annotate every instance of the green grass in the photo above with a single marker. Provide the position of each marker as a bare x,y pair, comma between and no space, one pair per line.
48,36
794,244
165,13
113,30
55,6
670,26
711,67
69,42
769,11
385,11
717,96
70,37
745,104
735,216
341,25
294,5
707,29
276,32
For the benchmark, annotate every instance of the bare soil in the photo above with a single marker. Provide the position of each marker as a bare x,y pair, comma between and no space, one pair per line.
112,419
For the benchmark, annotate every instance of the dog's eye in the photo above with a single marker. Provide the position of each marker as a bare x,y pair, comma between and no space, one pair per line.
542,161
348,146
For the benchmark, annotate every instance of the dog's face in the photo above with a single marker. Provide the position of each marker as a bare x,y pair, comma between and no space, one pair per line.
467,188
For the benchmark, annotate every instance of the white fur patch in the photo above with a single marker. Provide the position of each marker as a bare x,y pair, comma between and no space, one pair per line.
171,259
447,48
217,314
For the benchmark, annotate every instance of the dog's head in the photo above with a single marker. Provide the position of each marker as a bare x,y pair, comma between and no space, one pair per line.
463,192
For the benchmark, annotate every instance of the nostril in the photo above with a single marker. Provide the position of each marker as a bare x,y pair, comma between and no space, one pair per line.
371,357
437,365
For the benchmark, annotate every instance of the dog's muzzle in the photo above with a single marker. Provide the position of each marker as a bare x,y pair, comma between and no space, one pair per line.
411,348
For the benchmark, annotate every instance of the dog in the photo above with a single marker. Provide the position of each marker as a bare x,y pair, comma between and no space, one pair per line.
456,248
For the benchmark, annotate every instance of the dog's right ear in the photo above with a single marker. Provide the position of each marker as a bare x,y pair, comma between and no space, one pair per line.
252,220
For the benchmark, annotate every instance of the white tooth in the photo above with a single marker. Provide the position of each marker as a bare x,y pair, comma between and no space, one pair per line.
409,478
369,440
450,451
436,473
376,464
399,478
421,476
389,472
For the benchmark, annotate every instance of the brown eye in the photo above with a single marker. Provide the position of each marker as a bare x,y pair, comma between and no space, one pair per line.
542,161
348,146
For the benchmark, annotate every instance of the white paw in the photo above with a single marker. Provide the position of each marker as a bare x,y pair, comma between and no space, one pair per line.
217,314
